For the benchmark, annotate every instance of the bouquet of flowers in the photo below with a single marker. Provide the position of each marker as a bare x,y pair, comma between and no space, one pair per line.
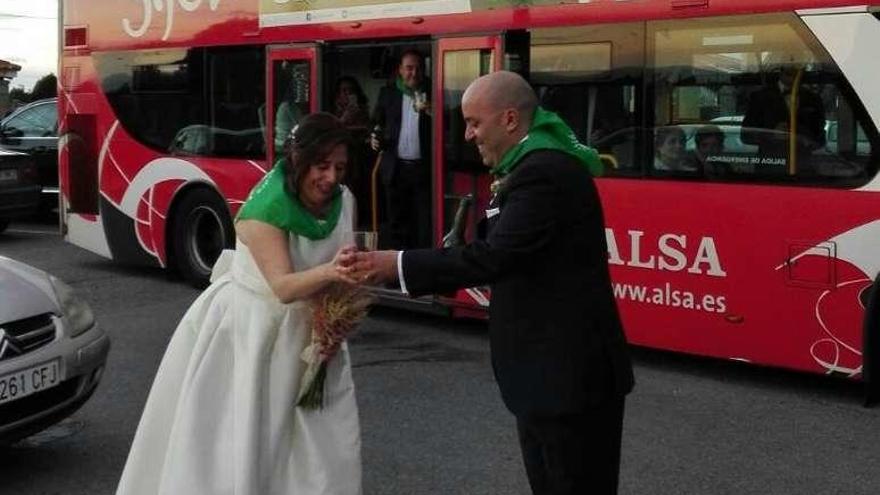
336,311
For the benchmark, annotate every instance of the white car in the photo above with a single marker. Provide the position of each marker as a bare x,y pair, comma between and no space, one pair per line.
52,353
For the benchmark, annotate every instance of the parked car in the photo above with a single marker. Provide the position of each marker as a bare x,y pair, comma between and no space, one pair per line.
52,354
19,187
33,129
863,146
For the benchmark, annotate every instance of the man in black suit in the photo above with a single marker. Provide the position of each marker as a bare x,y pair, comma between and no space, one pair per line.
768,117
558,350
403,114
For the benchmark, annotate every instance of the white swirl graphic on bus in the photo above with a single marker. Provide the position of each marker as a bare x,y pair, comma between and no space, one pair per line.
158,5
837,350
831,352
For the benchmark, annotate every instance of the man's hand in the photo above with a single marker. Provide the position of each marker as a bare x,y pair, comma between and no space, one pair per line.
376,266
425,106
374,143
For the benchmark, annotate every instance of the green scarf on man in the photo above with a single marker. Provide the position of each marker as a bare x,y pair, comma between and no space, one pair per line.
549,132
406,90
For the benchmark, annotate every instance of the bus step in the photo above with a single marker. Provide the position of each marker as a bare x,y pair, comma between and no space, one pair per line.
394,298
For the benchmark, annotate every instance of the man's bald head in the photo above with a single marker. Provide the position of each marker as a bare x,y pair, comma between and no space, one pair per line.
503,90
498,109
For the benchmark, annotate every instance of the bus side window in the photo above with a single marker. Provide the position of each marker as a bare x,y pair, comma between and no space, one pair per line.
591,76
759,100
200,101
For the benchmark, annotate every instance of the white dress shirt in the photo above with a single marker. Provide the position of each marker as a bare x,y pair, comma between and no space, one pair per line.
400,272
408,146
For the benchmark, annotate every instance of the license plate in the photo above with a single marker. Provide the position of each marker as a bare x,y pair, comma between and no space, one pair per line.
9,175
21,383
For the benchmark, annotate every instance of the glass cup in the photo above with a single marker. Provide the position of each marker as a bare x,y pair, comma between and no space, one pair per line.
419,100
365,240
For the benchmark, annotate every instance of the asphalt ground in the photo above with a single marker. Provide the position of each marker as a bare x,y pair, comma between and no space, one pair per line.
432,421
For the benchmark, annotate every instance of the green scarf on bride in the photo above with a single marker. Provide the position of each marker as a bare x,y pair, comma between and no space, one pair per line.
270,203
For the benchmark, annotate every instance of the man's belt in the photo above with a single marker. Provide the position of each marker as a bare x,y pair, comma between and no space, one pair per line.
409,162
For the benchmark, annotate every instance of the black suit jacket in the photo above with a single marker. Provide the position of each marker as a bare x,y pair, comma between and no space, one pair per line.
768,109
555,334
387,115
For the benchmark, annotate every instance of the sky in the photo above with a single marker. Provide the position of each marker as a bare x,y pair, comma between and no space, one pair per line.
29,38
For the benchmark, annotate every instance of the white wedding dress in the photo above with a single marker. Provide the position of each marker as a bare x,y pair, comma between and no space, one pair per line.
221,416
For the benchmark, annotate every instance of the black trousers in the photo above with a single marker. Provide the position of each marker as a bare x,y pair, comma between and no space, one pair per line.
576,454
409,205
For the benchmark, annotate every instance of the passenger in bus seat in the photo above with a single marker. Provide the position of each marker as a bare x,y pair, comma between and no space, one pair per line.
403,113
669,150
291,100
287,116
708,143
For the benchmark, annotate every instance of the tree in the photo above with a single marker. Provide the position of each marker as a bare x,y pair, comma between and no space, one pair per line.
45,87
18,94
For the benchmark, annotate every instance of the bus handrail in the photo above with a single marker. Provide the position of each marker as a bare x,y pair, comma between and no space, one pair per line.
374,193
792,122
608,157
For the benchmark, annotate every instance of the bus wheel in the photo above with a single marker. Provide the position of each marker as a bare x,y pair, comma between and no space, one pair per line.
871,344
201,230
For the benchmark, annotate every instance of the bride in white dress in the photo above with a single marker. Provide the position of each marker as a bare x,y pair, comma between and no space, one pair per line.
221,416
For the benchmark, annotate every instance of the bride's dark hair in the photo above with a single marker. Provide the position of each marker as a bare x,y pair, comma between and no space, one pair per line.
310,142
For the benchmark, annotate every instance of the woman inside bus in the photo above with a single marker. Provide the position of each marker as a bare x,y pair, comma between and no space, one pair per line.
351,105
669,152
222,417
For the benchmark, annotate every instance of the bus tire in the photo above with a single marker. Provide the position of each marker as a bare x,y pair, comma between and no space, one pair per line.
201,229
871,345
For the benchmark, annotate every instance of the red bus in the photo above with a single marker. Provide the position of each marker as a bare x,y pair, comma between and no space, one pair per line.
740,139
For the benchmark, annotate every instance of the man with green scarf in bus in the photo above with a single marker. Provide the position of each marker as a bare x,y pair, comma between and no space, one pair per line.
558,349
403,119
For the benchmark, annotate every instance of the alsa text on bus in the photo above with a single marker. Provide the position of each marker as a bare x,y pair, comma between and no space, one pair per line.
669,252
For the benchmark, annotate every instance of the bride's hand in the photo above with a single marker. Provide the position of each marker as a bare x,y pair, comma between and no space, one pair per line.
341,268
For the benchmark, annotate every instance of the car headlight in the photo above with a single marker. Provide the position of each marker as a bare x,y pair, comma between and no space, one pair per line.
78,313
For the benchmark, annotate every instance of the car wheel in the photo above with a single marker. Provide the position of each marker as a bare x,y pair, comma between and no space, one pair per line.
201,230
3,225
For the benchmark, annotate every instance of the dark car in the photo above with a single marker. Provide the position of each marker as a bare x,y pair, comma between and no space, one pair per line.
19,187
33,129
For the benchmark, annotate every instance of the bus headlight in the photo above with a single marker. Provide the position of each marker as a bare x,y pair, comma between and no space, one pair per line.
77,312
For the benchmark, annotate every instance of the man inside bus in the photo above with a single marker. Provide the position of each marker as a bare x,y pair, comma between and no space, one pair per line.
768,117
403,113
558,349
708,144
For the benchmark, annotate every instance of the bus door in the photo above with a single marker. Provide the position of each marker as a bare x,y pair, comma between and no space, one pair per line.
292,92
459,171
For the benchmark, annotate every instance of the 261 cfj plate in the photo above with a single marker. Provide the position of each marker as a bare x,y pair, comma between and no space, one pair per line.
27,381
